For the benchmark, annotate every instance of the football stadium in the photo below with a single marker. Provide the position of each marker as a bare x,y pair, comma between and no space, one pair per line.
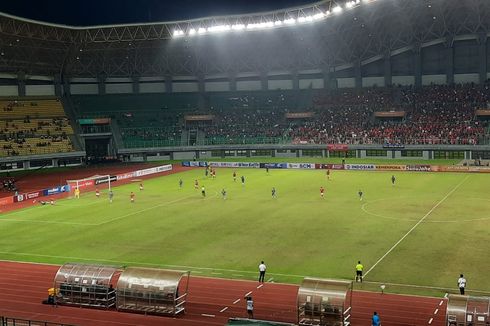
326,164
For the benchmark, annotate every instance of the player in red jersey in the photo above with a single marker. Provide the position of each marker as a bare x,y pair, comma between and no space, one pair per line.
132,197
322,192
141,186
234,176
97,193
328,174
214,173
196,184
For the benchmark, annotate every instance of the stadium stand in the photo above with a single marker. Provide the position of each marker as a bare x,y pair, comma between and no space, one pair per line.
431,115
34,126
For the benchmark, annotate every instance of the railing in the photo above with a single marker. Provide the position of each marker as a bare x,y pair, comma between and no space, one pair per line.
9,321
131,143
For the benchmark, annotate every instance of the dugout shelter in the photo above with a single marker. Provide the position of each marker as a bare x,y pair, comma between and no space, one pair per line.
324,302
86,285
464,310
152,291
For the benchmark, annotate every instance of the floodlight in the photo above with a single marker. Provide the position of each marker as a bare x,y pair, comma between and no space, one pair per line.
290,21
192,31
178,33
301,19
320,15
278,23
337,9
238,27
202,30
349,4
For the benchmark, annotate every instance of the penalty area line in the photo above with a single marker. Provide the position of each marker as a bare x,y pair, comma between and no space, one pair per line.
417,224
142,211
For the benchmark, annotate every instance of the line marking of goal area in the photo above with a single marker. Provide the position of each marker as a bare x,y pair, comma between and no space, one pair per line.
417,224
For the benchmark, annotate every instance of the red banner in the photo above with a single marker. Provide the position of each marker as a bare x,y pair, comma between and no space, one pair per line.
27,196
81,184
338,147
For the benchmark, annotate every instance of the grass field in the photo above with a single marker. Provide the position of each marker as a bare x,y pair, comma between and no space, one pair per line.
425,230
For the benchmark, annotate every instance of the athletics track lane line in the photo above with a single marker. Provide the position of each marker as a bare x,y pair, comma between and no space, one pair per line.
417,224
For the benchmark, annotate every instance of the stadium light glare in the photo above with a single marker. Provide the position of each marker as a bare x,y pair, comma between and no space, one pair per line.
202,30
290,21
192,32
219,28
238,27
337,9
318,16
349,4
177,33
278,23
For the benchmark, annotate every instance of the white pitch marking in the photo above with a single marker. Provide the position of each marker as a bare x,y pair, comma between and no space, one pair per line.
223,310
436,311
270,280
248,293
430,320
236,301
49,222
238,275
259,286
440,303
143,210
445,295
417,224
214,273
208,315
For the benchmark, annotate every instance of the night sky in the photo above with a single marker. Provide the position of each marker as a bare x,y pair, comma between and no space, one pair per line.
104,12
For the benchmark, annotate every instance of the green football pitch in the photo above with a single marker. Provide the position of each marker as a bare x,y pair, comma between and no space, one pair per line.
423,231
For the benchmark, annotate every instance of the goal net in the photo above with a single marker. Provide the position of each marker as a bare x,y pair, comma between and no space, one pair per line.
91,183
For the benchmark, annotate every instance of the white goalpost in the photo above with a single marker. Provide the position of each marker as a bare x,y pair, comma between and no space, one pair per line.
90,183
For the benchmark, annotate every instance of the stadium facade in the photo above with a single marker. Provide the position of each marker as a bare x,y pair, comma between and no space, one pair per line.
325,46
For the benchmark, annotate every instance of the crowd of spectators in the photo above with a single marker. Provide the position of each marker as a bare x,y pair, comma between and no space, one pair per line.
432,115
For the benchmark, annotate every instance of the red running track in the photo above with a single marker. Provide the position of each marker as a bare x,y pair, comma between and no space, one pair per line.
211,301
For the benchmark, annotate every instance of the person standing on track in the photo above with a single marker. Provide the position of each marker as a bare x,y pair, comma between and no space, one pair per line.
359,268
461,284
375,321
262,269
393,180
111,196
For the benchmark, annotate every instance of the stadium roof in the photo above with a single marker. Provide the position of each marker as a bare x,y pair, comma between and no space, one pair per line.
361,34
110,12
